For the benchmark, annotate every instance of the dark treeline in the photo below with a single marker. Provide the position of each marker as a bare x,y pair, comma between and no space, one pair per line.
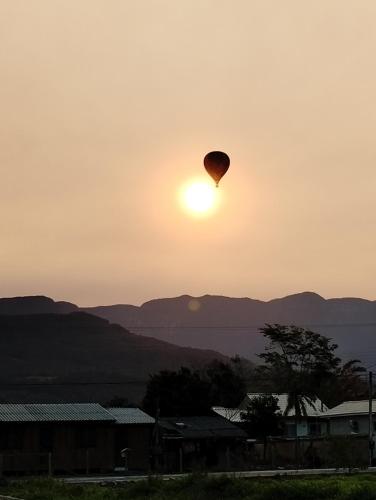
296,361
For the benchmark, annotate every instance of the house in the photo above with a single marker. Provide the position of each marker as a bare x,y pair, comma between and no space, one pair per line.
199,443
133,432
311,424
73,438
64,438
351,418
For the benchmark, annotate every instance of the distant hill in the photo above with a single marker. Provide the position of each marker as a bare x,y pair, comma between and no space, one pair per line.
60,349
37,304
231,325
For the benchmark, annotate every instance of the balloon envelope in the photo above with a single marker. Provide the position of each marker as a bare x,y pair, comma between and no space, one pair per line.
216,164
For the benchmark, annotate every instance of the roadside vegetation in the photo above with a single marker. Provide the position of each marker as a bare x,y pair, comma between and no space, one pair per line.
201,487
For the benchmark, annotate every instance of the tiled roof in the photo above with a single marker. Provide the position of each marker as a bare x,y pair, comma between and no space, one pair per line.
349,408
315,411
200,427
130,416
232,414
64,412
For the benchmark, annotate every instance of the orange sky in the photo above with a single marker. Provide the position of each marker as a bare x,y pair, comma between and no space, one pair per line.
108,107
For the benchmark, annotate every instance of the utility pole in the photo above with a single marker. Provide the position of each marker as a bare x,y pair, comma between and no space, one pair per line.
370,418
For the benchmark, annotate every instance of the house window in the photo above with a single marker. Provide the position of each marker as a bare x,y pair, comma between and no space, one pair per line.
86,437
314,429
354,426
290,430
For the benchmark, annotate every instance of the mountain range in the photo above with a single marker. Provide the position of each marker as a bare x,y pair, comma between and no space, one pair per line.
230,325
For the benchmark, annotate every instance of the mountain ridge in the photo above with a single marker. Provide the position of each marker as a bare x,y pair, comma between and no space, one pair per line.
231,325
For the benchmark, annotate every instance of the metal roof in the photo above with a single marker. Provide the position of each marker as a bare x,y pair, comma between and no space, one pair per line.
232,414
316,411
130,416
200,427
64,412
349,408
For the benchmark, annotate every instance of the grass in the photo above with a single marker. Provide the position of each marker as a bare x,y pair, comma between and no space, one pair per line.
200,487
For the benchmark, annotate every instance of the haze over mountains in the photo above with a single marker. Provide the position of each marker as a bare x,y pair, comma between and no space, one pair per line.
231,325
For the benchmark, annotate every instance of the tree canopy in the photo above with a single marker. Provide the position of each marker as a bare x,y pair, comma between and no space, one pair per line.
346,384
263,417
297,361
188,392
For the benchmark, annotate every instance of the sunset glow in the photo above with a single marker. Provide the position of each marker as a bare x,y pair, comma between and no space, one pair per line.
199,198
109,112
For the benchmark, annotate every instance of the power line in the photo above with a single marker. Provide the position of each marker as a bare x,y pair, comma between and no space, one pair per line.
244,327
124,382
54,384
127,382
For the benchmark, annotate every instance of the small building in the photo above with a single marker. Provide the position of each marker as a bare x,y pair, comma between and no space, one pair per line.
199,443
133,433
73,438
41,438
350,418
311,424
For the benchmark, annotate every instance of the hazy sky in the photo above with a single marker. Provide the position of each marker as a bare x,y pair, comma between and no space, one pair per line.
108,107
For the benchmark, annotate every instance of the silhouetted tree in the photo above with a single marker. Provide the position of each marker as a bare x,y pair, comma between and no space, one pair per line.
298,361
181,393
193,392
263,418
227,387
346,384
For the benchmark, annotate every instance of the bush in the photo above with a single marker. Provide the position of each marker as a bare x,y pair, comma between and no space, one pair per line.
202,487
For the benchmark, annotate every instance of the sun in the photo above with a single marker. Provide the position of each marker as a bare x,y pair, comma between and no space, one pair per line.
199,198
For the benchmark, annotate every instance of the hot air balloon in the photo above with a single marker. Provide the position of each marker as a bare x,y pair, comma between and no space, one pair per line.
216,164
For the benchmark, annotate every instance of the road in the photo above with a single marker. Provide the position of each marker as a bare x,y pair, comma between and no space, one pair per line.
245,474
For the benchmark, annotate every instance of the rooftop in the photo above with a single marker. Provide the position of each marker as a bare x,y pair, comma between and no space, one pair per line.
130,416
64,412
200,427
349,408
232,414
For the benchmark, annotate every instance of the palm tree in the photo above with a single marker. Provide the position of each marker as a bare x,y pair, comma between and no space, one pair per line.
298,403
298,360
346,384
